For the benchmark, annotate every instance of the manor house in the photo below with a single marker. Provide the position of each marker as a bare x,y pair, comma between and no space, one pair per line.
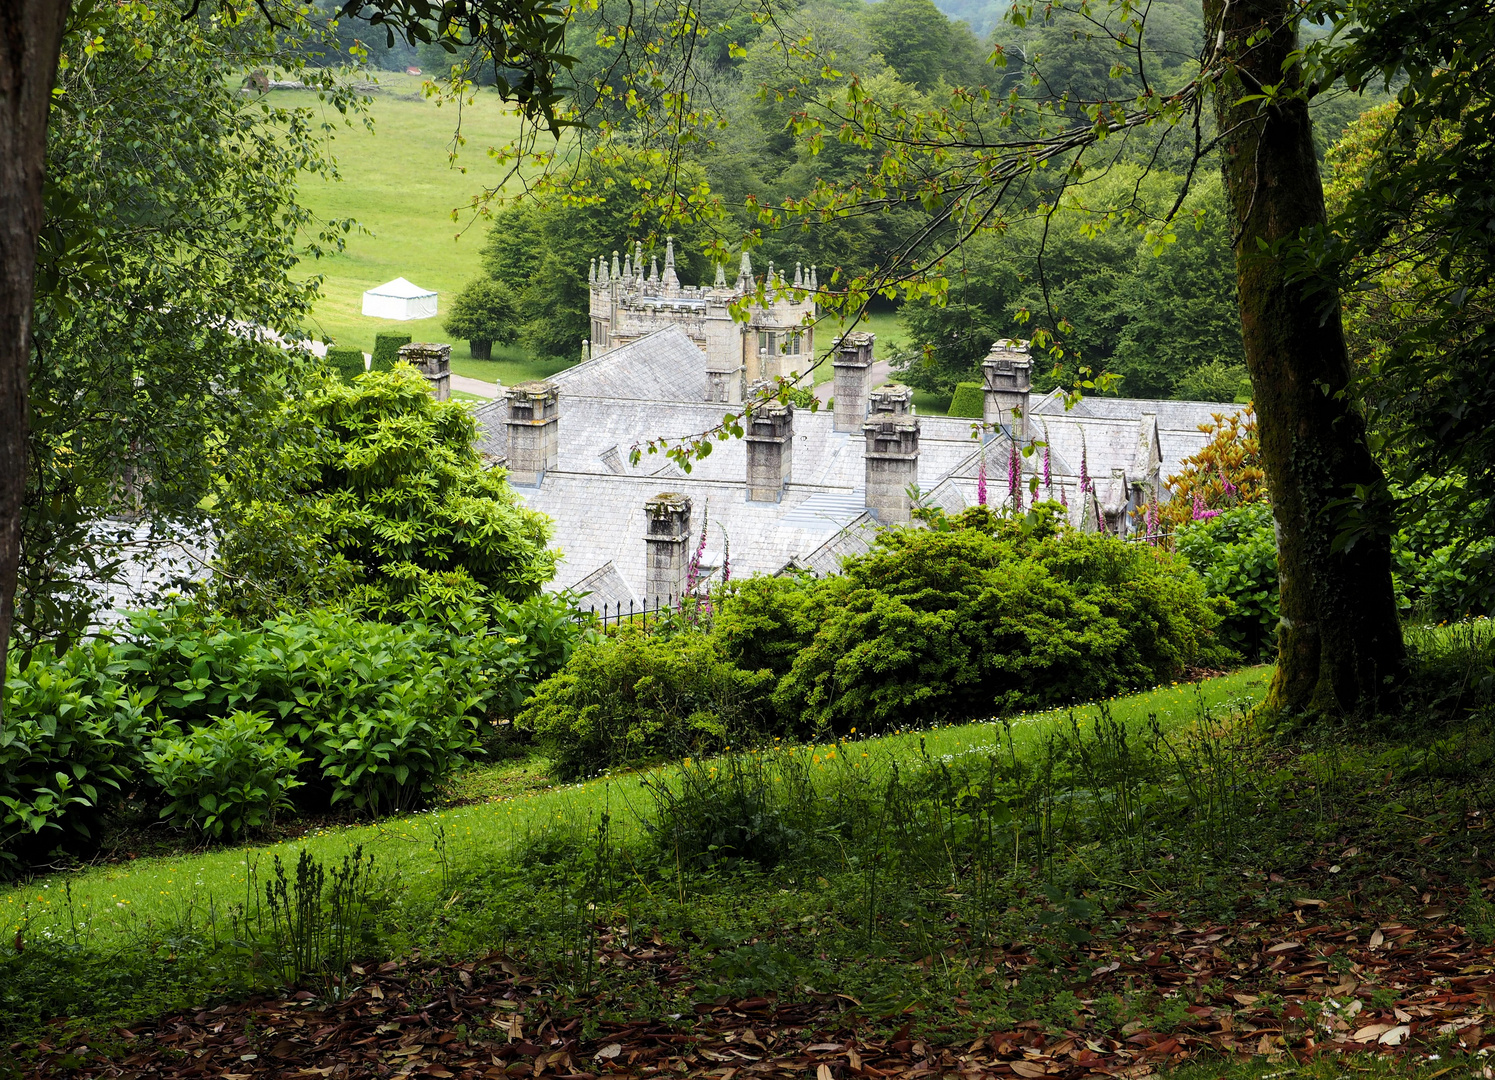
777,339
801,489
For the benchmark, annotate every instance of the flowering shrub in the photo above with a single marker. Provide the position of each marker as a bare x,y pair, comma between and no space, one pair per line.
1235,551
1224,473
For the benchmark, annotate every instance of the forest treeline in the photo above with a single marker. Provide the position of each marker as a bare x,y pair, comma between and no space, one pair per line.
1144,297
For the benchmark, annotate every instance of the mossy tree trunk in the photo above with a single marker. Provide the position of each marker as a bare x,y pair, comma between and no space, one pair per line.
1340,644
30,42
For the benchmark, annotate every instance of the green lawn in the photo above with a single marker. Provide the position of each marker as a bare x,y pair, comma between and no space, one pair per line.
152,895
399,183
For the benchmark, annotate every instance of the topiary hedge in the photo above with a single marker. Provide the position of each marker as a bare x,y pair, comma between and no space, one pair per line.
348,363
969,400
387,350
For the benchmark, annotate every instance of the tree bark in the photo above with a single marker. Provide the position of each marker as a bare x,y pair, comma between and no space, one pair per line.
1339,643
30,43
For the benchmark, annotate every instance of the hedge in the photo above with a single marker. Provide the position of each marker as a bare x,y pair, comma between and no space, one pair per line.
969,400
348,363
387,350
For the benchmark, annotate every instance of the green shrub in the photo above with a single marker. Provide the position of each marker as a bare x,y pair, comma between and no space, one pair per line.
935,626
390,759
1236,554
386,352
331,682
348,363
69,745
636,697
388,510
969,400
226,776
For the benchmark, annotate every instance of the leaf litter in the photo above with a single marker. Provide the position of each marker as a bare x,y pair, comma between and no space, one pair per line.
1281,989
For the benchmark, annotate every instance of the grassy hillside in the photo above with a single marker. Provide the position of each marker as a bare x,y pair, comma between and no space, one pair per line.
399,183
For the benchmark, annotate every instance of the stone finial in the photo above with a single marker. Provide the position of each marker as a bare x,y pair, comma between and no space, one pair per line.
814,282
721,277
617,270
592,273
638,259
799,276
534,431
671,280
627,267
667,543
653,268
602,275
1117,502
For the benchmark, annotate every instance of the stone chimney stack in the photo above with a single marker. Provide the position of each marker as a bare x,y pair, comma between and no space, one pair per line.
1008,369
852,363
894,400
724,384
534,431
434,362
667,543
770,447
892,458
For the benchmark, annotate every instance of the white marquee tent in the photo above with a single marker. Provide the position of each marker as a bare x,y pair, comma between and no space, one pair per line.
399,299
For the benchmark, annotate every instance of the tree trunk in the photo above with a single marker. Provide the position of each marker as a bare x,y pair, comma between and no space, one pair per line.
1339,642
30,41
480,350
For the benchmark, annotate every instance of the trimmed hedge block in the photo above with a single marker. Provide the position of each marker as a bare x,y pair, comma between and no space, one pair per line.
387,350
969,400
348,363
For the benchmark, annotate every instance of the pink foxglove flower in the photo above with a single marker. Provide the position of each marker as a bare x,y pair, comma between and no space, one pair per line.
981,482
1015,478
1048,472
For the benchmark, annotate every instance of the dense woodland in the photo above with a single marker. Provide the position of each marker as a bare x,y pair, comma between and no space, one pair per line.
1150,304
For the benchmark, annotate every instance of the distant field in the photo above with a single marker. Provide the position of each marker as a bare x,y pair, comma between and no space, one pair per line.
400,185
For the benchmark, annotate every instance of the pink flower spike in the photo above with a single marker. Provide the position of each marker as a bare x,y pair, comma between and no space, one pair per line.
981,481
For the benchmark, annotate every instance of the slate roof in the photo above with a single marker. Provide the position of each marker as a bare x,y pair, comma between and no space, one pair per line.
655,387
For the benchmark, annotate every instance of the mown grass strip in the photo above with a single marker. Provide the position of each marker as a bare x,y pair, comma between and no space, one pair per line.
151,897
